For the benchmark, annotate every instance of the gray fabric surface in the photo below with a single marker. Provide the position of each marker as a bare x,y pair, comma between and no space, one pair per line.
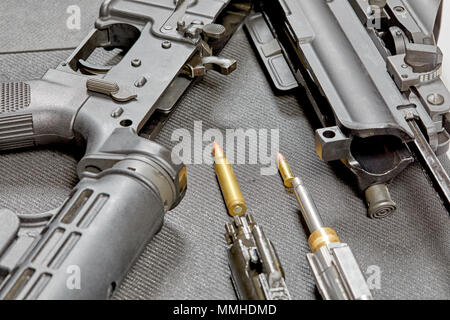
187,259
30,25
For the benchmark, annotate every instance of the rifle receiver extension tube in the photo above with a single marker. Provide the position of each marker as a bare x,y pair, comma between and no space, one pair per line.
335,269
232,194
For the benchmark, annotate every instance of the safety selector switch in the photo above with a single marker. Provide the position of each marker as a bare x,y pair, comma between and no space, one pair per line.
119,93
207,61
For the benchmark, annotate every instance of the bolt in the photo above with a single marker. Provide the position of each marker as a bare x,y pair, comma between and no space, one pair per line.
436,99
136,63
168,28
166,44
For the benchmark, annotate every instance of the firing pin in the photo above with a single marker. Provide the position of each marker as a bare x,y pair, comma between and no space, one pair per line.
335,269
255,268
228,183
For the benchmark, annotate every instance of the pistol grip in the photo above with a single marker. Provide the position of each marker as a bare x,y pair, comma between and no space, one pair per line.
40,112
16,129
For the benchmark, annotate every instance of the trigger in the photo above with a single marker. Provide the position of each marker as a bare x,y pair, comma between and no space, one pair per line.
93,68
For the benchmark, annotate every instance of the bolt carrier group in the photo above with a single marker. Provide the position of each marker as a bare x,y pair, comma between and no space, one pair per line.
255,267
256,271
335,269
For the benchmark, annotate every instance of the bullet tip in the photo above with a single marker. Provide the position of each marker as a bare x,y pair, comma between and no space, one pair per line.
280,157
216,147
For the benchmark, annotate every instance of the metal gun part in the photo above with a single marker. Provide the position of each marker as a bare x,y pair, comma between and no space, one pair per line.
335,269
127,182
434,169
255,267
363,65
337,273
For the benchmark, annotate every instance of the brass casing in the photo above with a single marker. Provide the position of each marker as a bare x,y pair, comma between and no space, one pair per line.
228,184
322,237
182,179
286,173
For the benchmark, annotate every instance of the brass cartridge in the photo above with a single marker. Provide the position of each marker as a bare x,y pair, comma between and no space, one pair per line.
228,183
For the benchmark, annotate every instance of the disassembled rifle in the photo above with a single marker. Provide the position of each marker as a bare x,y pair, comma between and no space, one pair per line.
335,269
127,182
256,271
373,120
371,70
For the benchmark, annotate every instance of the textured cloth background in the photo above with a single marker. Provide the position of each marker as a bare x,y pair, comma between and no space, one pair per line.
33,25
187,259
